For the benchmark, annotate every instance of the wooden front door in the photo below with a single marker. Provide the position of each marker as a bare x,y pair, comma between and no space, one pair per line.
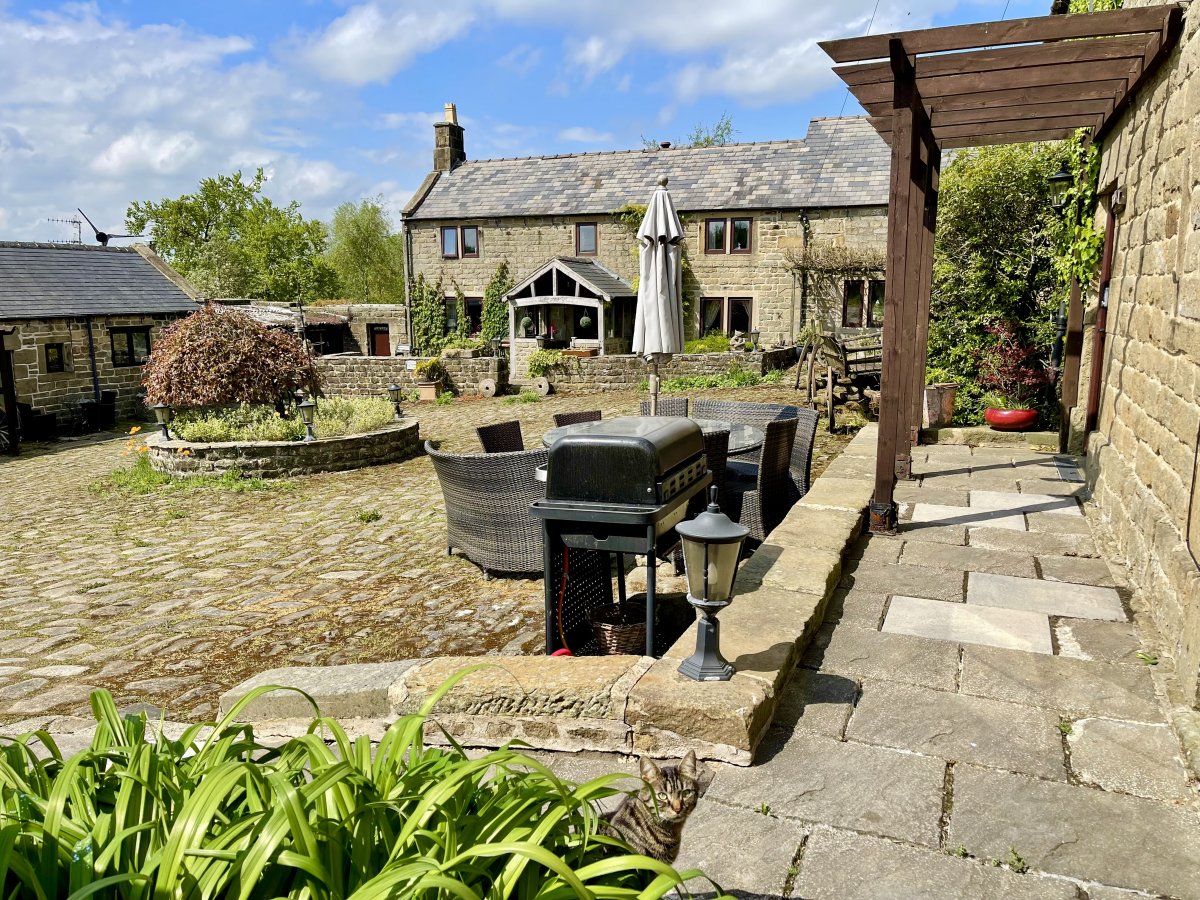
380,340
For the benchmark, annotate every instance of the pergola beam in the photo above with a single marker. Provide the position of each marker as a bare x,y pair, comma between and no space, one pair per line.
1143,20
1105,90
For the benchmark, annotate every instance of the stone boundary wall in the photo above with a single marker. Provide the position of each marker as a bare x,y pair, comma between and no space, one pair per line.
284,459
348,375
624,704
624,373
1142,460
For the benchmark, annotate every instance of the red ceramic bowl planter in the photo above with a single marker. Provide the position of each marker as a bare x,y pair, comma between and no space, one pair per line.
1010,419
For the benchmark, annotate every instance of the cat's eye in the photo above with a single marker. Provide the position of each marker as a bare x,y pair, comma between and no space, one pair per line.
662,795
689,793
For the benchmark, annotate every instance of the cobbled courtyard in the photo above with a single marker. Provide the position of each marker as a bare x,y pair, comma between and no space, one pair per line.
169,598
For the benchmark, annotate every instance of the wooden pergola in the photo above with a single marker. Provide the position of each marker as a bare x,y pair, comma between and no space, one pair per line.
1037,79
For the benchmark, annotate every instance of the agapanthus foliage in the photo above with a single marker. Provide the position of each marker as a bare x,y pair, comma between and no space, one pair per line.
219,355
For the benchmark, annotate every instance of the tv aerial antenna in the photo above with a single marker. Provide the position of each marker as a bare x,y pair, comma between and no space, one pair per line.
103,237
75,224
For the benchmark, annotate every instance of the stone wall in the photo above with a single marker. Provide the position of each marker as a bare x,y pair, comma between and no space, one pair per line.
284,459
351,375
1142,460
360,315
622,373
526,243
60,392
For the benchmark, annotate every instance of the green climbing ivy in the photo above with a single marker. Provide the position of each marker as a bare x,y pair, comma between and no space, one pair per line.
629,217
1077,242
462,324
428,316
494,319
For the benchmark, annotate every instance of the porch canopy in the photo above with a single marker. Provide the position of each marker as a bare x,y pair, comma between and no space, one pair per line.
1036,79
569,281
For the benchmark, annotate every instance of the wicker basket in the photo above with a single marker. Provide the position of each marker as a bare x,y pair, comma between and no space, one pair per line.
620,630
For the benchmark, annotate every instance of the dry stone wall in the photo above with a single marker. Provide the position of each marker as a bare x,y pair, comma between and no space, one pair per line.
622,373
1143,457
351,375
762,274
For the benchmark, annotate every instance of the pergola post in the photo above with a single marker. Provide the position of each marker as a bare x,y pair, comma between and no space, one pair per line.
906,226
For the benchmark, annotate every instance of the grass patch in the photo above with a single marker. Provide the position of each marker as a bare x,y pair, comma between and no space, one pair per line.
736,377
140,479
523,397
367,516
444,399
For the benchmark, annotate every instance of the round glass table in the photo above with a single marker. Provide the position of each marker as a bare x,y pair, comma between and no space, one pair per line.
741,437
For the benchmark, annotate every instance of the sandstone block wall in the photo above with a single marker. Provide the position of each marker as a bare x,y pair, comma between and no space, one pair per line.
526,243
393,315
1143,457
61,392
369,376
285,459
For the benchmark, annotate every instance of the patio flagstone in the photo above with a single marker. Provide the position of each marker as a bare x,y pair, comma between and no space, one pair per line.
1009,628
1010,501
1130,757
1054,598
936,514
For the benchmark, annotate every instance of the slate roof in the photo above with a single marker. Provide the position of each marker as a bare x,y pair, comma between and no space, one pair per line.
48,281
604,282
842,162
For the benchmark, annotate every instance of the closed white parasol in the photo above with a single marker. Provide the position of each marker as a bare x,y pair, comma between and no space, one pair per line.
658,326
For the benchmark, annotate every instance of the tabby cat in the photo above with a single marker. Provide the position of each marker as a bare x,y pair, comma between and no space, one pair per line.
651,820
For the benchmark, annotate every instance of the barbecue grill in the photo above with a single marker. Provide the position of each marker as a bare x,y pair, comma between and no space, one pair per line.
619,488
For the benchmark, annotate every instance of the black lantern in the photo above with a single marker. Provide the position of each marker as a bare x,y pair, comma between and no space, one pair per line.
1060,183
753,335
497,344
712,547
395,393
308,414
163,415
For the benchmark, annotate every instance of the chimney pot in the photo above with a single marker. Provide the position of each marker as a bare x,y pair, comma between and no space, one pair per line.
665,145
449,151
451,114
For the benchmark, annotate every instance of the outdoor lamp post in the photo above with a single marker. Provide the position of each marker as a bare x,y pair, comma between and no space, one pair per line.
497,344
163,415
395,392
1060,183
308,413
753,335
712,546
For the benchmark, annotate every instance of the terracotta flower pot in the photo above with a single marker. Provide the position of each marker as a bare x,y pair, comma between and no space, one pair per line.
1010,419
429,390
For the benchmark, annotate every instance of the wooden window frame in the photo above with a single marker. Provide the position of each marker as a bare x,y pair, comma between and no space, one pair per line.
452,229
749,220
61,348
127,332
579,251
862,289
720,301
724,248
869,315
729,314
462,242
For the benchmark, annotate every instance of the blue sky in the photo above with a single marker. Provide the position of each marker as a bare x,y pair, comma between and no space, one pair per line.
102,103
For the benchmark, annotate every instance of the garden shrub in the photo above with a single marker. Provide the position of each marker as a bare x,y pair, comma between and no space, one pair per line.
428,309
713,343
219,355
218,814
735,377
543,361
494,317
335,417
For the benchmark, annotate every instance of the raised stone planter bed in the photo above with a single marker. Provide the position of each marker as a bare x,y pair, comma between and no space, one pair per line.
619,703
284,459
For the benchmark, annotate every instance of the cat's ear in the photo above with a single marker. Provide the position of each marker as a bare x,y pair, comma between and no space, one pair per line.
649,770
688,768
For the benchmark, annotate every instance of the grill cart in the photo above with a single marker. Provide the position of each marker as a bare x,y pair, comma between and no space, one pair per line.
621,488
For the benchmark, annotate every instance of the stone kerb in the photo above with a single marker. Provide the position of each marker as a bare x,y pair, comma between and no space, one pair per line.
284,459
620,703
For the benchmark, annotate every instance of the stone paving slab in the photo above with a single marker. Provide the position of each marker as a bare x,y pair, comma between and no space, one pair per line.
920,492
969,516
866,653
357,691
1027,503
920,581
1077,831
1076,571
1009,628
1112,642
1073,686
820,780
819,702
766,846
841,865
1056,523
1053,598
1044,545
1129,757
856,607
974,559
958,728
932,532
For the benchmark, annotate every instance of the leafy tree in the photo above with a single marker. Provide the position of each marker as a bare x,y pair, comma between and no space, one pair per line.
219,355
234,242
494,318
366,254
994,261
718,134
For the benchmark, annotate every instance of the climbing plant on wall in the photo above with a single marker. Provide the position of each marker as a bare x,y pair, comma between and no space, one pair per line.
428,316
494,319
462,323
629,217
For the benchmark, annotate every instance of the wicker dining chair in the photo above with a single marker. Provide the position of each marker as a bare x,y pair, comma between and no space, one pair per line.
487,497
503,437
668,406
574,418
802,450
761,504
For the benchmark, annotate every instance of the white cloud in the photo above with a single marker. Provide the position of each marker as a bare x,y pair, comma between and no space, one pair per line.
595,55
146,148
582,134
521,59
373,41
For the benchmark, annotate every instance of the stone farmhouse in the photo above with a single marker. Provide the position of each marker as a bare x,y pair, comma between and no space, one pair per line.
77,322
748,209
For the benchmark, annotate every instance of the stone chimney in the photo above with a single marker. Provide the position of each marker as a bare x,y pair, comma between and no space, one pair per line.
448,151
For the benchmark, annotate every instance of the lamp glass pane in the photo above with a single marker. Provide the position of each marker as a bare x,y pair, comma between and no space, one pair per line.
720,566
